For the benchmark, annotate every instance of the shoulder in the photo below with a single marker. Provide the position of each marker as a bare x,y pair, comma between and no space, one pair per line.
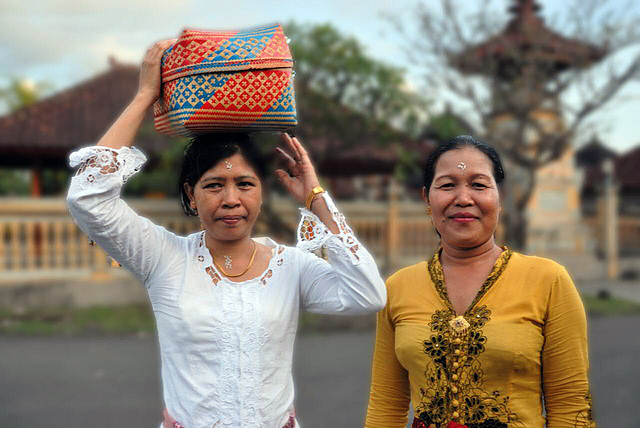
540,270
541,265
296,255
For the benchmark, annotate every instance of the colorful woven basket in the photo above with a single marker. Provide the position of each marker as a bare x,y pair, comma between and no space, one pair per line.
226,81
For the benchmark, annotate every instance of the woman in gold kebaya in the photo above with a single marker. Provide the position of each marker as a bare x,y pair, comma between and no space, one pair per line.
478,336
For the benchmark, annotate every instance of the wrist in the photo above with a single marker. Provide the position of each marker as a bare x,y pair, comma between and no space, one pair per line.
312,196
145,99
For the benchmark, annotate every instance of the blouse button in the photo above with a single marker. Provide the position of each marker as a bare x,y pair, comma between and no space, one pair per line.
454,389
456,365
456,415
454,377
457,341
455,403
456,352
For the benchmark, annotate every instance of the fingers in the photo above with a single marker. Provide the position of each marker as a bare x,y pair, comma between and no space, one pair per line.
299,148
297,156
284,177
156,50
290,161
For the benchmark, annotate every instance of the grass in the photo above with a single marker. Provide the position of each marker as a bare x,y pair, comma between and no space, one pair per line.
98,320
608,306
135,319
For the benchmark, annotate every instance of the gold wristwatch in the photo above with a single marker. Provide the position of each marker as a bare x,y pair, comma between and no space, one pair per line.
314,192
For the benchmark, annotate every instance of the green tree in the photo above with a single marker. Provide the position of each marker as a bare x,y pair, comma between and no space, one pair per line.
345,95
19,92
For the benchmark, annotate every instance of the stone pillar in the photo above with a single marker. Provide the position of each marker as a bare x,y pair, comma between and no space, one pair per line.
36,182
610,220
393,230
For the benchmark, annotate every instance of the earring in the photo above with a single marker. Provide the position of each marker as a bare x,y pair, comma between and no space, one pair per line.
429,209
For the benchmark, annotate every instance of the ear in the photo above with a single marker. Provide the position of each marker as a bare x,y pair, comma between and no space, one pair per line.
425,195
189,190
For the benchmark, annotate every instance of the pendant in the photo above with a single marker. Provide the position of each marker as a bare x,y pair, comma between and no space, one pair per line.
227,262
459,324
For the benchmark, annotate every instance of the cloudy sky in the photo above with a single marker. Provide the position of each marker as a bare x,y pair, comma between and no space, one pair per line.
66,41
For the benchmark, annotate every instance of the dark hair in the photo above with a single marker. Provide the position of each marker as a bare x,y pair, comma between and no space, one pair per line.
206,151
457,143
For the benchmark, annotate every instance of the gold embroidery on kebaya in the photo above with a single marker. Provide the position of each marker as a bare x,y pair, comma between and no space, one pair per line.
437,276
453,391
584,419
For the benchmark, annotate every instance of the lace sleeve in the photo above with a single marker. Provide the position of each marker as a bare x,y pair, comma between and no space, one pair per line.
313,234
94,202
97,164
348,282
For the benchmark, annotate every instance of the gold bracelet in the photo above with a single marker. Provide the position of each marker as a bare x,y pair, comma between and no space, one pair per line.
315,191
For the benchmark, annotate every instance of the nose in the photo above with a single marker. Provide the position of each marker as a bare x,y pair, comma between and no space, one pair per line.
463,197
231,198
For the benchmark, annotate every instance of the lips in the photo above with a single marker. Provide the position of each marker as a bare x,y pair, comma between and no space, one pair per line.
463,217
231,219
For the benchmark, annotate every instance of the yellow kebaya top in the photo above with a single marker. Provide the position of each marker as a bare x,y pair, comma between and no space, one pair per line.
522,340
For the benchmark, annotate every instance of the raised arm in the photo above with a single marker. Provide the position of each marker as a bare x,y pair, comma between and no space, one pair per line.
349,283
124,129
94,194
565,359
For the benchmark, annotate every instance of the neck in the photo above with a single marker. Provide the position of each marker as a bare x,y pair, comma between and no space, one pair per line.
459,255
235,248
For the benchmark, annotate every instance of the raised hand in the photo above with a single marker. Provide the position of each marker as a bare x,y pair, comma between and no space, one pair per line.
300,177
150,79
124,129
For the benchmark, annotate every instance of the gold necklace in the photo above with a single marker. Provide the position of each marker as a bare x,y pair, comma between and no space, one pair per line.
253,256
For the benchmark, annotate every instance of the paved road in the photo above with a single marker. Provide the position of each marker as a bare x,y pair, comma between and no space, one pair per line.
113,382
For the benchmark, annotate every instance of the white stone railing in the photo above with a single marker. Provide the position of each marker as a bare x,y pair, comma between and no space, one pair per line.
39,240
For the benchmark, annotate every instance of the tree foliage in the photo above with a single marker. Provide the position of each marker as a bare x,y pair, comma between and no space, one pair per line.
21,92
344,94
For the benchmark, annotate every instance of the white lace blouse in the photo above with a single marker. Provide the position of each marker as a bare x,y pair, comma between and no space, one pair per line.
226,347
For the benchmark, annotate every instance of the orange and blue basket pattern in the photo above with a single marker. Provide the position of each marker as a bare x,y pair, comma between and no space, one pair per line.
226,81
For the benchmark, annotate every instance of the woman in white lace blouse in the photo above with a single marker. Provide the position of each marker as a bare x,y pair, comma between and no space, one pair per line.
226,304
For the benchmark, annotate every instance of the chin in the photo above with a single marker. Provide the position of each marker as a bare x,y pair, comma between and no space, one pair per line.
463,241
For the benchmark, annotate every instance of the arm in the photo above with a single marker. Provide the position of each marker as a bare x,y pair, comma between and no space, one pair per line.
94,194
349,283
390,394
124,129
565,359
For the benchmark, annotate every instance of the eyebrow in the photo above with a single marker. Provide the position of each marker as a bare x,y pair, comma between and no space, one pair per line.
242,177
452,176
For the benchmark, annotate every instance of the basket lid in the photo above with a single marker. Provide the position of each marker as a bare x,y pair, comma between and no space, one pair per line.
197,52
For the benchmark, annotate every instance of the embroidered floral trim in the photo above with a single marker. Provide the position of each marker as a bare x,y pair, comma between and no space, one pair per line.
313,234
453,394
241,338
279,258
96,164
437,276
584,419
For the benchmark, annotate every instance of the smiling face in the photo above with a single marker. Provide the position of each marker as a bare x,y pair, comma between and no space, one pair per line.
227,200
464,198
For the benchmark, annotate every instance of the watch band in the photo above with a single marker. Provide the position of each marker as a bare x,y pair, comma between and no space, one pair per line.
314,192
